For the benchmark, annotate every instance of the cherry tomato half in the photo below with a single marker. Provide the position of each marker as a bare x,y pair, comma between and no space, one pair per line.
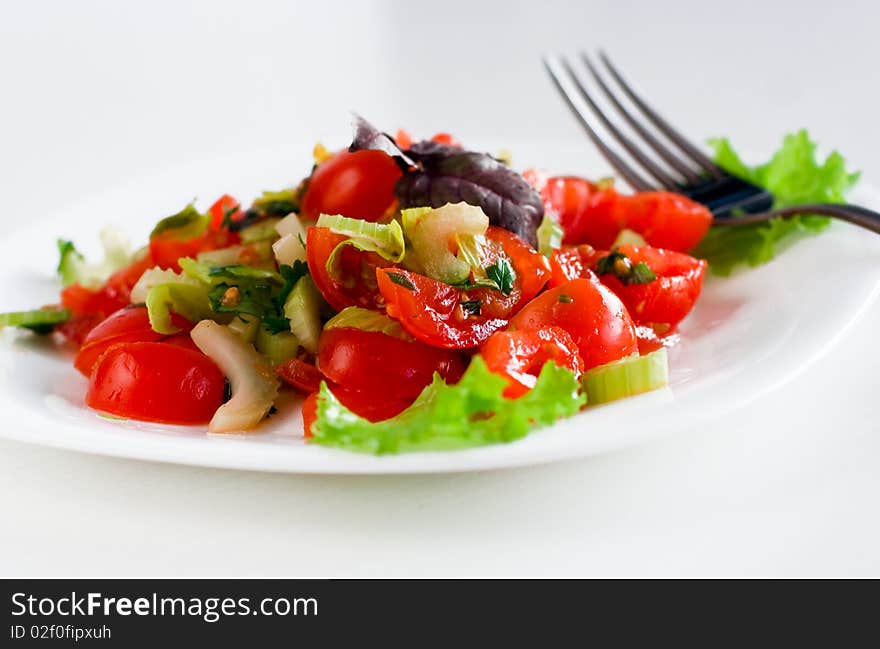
670,297
131,324
595,214
358,185
433,312
596,319
154,381
354,283
519,356
376,362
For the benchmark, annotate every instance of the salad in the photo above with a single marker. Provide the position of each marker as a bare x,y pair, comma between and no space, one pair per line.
419,295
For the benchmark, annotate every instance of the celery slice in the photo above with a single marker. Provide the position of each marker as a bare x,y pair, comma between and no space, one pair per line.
355,317
626,377
279,347
303,309
186,300
39,320
629,238
432,233
549,234
385,239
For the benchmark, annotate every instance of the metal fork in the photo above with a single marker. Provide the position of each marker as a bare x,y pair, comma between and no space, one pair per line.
666,160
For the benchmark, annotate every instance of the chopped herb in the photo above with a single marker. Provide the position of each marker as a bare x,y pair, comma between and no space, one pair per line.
641,274
619,265
228,213
501,272
402,280
253,299
275,324
471,307
565,299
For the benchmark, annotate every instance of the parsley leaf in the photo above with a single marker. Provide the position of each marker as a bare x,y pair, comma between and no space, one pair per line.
501,272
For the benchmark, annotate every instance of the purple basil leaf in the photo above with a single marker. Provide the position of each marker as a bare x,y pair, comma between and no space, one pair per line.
447,174
368,137
435,174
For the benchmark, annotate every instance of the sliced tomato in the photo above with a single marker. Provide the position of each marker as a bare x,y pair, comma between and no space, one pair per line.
166,250
154,381
301,374
225,206
519,356
664,219
91,307
376,362
594,316
358,185
354,283
432,311
131,324
572,262
532,268
669,298
595,214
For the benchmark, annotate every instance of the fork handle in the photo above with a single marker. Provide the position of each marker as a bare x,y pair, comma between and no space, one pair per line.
862,216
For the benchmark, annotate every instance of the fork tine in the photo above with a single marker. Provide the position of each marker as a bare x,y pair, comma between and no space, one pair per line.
665,127
629,174
666,180
658,147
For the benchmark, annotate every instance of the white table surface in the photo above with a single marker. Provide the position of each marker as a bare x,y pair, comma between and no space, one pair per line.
97,93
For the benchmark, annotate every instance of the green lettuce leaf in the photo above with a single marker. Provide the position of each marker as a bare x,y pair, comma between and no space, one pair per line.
794,176
471,413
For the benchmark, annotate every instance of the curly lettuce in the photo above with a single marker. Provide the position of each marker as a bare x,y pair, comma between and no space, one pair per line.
794,176
471,413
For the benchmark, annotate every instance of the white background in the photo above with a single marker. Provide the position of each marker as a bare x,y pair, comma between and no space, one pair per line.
94,94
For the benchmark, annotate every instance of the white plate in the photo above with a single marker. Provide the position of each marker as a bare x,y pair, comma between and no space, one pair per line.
747,335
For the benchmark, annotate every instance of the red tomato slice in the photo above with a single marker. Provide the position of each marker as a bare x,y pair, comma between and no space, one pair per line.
358,185
572,263
355,283
90,307
519,356
371,361
131,324
596,319
593,214
664,219
431,311
532,269
154,381
302,375
669,298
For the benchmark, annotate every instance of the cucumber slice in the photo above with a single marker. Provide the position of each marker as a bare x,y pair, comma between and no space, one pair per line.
303,309
42,321
626,377
279,347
